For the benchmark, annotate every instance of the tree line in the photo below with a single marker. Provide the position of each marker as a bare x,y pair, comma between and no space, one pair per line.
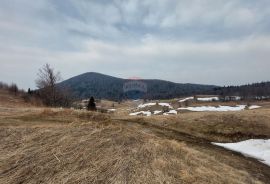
257,91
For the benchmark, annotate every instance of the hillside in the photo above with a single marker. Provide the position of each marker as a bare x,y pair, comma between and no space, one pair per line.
10,100
108,87
56,145
258,90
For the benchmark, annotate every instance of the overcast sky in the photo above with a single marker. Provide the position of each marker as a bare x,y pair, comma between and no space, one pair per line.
218,42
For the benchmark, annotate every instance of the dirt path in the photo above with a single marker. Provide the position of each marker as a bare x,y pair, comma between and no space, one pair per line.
255,168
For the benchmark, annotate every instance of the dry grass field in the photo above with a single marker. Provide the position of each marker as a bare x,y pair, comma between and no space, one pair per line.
216,126
43,145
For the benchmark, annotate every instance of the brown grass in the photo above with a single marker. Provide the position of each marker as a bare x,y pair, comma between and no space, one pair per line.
217,126
43,145
44,117
105,153
9,100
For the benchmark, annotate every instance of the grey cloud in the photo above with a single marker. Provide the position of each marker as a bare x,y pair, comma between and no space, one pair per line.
211,41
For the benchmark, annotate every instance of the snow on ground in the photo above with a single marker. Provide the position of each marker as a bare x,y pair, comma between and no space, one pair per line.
146,113
153,103
165,104
254,107
111,110
208,99
212,108
186,99
256,148
157,112
170,112
146,105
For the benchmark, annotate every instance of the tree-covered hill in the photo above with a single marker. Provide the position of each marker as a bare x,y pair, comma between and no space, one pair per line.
108,87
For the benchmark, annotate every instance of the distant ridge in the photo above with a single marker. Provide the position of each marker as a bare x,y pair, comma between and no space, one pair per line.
108,87
249,91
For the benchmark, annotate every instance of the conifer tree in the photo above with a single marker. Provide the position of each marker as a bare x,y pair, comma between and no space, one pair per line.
91,104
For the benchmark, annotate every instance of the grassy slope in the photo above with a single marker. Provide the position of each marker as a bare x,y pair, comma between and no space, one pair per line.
65,146
218,126
100,151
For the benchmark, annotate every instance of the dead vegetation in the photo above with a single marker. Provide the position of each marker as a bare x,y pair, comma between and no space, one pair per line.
7,100
43,145
217,126
21,99
106,153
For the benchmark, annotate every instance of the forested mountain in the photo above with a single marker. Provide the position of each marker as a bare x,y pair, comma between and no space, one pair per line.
108,87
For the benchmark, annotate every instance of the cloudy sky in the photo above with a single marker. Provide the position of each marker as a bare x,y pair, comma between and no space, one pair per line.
218,42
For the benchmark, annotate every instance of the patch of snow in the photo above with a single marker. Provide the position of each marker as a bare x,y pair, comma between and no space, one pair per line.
146,105
152,104
186,99
265,97
111,110
254,107
134,113
157,112
208,99
147,113
256,148
170,112
85,101
165,104
212,108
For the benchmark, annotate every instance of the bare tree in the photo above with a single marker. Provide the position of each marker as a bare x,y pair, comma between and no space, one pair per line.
46,82
13,89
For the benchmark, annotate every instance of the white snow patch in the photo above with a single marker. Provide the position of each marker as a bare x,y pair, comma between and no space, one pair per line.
146,113
157,112
212,108
146,105
254,107
186,99
152,104
165,104
111,110
256,148
170,112
208,99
